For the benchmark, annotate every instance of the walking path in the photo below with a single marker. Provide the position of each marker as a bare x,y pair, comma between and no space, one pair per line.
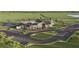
63,34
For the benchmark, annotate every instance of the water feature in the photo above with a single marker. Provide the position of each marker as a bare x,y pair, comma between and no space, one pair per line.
74,15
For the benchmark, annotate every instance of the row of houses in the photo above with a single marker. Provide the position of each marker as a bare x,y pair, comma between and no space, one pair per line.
31,25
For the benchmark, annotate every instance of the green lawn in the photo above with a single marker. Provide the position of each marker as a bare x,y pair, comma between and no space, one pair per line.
16,17
19,16
43,35
72,43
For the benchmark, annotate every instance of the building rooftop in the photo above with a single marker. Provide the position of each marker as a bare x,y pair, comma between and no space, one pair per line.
9,24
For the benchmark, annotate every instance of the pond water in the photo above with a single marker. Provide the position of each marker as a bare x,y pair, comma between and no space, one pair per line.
75,16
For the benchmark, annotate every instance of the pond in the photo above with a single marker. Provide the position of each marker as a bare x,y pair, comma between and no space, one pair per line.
72,15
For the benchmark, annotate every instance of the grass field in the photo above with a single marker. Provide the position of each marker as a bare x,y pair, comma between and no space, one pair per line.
16,17
19,16
43,35
73,42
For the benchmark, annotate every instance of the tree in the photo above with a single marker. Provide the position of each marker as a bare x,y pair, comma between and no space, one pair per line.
7,42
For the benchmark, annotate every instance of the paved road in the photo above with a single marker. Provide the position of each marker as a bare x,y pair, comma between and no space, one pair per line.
24,38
